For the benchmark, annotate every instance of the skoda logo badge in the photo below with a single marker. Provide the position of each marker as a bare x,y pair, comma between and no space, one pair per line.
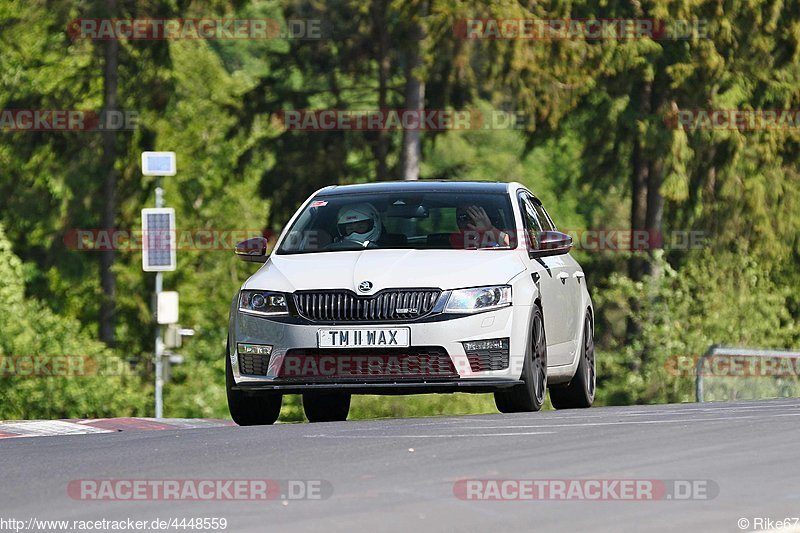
365,286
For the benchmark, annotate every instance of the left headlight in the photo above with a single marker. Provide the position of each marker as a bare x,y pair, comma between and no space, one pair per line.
479,299
263,303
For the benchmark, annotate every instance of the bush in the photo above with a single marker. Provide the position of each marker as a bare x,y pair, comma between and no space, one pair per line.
100,383
725,299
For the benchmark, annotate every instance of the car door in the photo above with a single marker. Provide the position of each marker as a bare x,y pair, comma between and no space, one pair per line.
572,283
550,274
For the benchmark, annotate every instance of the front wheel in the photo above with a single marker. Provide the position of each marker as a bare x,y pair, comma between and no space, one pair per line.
250,409
529,396
579,393
326,406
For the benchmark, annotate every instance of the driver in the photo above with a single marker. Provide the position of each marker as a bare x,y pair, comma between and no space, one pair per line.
359,223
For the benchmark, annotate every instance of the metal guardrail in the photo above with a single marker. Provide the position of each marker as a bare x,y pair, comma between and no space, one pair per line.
725,351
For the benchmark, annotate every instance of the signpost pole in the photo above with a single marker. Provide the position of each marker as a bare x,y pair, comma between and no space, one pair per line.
158,227
159,347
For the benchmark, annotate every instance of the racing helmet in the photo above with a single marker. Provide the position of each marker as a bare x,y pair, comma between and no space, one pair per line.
367,215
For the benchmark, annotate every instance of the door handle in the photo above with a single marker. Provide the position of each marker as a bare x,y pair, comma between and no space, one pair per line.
563,277
579,275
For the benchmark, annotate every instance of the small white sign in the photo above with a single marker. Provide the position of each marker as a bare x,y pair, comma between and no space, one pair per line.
158,164
167,307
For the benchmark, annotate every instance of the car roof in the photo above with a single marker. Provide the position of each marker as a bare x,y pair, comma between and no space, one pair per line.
417,186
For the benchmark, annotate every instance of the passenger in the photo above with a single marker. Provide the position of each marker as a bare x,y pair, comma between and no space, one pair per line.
476,230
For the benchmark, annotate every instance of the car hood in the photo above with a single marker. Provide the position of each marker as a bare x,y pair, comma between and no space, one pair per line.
445,269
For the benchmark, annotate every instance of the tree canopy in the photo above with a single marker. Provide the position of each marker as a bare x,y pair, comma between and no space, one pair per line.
599,138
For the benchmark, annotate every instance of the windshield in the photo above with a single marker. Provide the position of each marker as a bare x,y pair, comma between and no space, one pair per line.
432,220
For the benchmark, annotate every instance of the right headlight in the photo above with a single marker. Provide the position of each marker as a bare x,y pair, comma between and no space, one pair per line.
264,303
479,299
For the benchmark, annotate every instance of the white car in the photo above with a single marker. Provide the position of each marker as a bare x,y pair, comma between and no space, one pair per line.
411,287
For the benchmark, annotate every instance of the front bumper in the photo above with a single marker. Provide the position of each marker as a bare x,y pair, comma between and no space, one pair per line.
285,334
476,385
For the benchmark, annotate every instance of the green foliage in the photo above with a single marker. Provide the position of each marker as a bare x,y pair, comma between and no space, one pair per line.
724,299
591,107
103,385
421,405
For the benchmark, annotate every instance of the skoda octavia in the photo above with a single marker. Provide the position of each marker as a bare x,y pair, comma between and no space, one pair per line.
411,287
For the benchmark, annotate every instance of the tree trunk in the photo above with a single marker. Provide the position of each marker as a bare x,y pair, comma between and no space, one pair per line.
640,171
655,178
108,280
415,99
637,266
655,210
381,33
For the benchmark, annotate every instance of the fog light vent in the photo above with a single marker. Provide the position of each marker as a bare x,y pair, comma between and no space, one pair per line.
489,354
254,359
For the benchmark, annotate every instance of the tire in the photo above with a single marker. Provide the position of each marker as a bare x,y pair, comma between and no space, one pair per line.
579,393
250,409
326,406
529,396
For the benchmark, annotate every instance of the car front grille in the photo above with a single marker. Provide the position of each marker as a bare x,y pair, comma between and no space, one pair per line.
253,365
392,305
429,362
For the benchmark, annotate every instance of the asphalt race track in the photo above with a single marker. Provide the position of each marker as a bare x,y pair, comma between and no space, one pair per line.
399,475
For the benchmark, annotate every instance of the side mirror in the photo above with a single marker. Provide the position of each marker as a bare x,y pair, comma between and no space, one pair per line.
553,243
252,250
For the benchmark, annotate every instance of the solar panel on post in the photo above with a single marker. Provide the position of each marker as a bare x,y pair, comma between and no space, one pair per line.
158,239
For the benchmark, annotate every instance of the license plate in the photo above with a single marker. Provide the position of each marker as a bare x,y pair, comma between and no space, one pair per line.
364,337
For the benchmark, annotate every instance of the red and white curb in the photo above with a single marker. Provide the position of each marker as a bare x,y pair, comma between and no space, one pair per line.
48,428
